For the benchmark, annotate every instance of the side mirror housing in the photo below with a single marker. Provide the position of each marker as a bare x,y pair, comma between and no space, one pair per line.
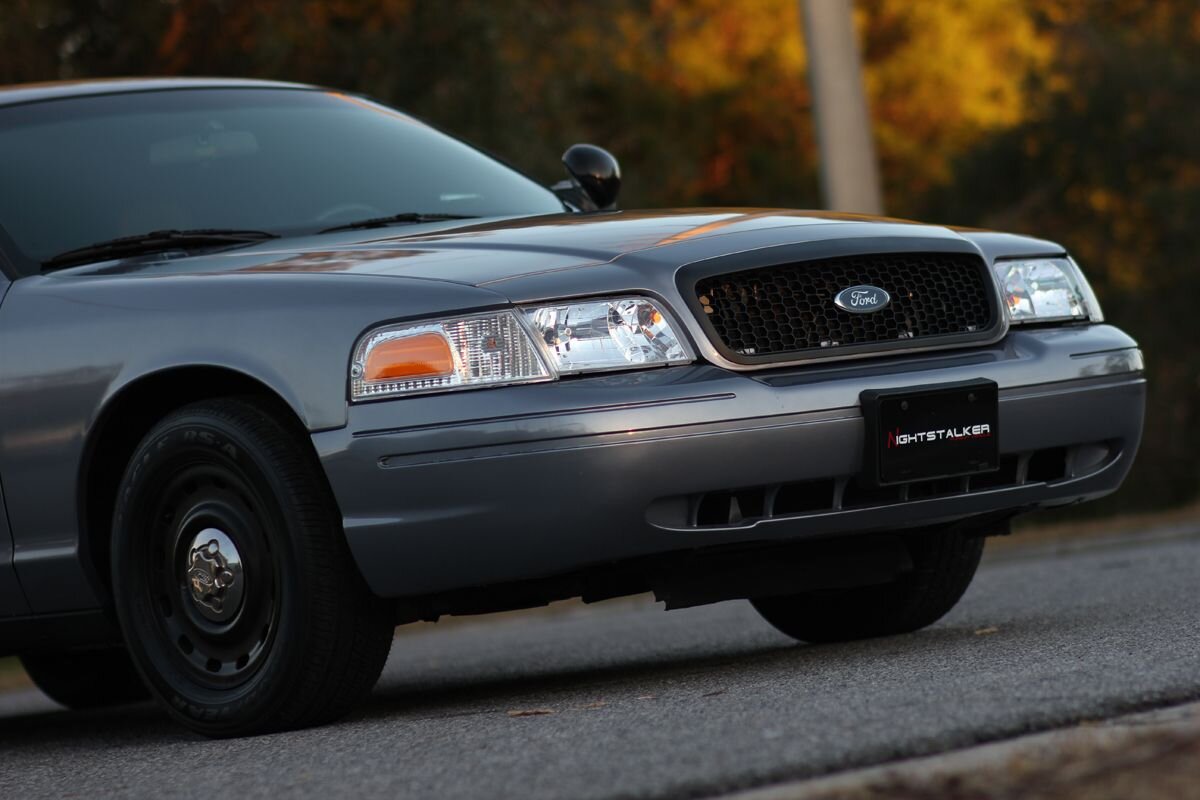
595,177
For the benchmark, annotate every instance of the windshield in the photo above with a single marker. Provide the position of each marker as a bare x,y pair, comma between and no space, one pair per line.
78,171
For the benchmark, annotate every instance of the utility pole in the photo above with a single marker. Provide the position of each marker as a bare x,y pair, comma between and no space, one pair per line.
849,171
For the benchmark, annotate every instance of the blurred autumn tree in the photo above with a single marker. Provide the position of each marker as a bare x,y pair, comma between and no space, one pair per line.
1072,120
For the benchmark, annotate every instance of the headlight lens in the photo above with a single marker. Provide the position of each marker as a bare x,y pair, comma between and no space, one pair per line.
1045,290
598,335
457,353
497,348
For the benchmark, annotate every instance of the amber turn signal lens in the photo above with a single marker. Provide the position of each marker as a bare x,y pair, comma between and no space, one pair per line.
466,352
424,355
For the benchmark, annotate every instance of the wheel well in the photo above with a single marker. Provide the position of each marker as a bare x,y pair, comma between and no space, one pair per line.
123,424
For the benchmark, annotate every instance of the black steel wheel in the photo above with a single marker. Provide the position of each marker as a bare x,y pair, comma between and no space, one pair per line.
235,589
944,562
91,678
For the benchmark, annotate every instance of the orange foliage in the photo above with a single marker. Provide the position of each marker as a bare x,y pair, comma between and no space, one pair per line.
941,76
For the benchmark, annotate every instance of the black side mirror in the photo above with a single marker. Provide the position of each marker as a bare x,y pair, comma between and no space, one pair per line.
596,176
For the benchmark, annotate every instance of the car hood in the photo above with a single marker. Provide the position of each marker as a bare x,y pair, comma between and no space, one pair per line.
516,255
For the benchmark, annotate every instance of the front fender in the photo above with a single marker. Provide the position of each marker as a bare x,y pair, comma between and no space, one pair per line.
72,343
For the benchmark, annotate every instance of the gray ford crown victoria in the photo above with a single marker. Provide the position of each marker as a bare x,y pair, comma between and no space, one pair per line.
281,368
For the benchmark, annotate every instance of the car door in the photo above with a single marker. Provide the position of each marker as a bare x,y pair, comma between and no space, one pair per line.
12,600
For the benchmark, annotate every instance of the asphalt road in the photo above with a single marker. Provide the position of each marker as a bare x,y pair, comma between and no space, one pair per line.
680,704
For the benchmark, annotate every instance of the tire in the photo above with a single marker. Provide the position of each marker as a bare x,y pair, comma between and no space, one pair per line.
944,563
235,589
86,678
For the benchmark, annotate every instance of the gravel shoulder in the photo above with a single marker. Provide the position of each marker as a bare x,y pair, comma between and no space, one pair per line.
1150,756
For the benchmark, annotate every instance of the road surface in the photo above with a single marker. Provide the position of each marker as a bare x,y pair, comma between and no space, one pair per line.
624,700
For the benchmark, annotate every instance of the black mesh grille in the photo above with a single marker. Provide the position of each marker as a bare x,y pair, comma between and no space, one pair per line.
789,309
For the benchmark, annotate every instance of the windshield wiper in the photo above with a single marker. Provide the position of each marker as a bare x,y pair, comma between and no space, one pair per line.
393,219
153,242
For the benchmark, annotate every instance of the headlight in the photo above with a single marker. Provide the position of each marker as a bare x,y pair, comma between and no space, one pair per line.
1046,290
497,348
456,353
599,335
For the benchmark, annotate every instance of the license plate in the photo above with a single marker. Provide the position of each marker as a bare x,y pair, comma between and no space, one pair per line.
927,432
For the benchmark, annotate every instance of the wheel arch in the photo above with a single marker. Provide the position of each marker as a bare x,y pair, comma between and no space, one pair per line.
124,420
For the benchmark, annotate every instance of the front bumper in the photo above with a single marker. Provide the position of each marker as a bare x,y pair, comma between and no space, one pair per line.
481,487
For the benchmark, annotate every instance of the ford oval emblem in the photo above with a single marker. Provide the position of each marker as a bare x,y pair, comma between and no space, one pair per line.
862,299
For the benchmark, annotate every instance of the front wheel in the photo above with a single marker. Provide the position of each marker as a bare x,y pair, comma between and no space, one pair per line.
944,563
236,592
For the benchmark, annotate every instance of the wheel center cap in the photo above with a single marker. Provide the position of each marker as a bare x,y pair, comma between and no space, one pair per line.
214,575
